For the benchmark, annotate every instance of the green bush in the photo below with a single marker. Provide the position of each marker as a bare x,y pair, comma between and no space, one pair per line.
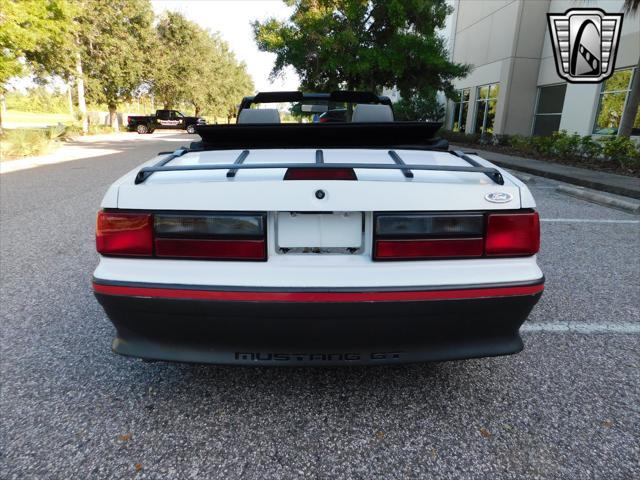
590,149
460,137
622,151
564,146
25,143
521,143
619,151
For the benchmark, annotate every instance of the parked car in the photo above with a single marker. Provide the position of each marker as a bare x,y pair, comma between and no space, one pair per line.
335,115
364,242
163,119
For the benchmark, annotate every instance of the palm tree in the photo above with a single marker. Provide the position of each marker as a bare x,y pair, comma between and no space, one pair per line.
631,7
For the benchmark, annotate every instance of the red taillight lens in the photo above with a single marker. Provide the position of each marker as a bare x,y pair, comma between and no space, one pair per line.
423,236
425,249
512,234
126,234
211,249
320,174
213,236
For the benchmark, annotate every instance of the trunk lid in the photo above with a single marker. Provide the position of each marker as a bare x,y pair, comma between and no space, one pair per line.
265,189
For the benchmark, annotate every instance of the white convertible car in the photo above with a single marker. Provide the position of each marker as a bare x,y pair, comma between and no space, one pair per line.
361,241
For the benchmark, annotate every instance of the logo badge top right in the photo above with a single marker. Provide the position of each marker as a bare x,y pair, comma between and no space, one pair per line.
585,43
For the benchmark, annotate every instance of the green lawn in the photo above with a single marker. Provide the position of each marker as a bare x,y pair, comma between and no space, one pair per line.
16,119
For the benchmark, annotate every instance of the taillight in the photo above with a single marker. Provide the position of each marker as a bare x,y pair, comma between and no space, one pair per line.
214,236
320,174
416,249
127,234
416,236
512,234
427,236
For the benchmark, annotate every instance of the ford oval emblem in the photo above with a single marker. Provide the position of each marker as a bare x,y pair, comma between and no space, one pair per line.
498,197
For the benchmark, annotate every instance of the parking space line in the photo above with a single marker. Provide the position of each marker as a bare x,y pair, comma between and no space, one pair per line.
586,220
573,327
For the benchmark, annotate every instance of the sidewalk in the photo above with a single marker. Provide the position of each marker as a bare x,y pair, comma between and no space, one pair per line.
80,148
606,182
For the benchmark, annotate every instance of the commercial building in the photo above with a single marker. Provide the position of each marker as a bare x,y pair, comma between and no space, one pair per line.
514,88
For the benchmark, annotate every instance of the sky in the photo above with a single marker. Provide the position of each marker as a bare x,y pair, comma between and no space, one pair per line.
232,20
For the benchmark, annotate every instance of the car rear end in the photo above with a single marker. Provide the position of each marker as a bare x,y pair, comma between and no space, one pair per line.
289,266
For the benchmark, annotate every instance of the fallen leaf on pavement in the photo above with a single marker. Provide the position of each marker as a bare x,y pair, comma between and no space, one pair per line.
125,437
484,432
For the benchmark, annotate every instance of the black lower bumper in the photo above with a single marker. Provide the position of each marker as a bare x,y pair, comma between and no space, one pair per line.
316,333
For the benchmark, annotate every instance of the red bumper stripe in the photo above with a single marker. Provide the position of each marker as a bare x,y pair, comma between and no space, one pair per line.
327,297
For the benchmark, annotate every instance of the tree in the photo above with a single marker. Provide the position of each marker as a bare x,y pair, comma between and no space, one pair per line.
197,68
422,106
631,108
24,27
362,44
115,39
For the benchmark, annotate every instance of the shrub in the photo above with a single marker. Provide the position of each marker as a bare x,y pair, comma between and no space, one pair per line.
25,142
460,137
565,146
622,151
590,149
543,145
521,143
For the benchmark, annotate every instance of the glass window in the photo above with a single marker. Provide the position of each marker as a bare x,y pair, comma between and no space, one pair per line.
613,98
549,109
486,103
461,108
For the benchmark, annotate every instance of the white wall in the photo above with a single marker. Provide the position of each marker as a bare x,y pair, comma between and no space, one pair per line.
507,41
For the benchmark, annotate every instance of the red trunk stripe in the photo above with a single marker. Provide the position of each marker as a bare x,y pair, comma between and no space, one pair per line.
329,297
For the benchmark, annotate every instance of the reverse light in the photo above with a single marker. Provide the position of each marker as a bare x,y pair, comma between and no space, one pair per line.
124,234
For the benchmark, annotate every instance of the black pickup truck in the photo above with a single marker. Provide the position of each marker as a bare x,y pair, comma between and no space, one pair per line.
163,119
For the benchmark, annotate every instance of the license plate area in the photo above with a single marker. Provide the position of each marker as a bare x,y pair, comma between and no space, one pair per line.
323,232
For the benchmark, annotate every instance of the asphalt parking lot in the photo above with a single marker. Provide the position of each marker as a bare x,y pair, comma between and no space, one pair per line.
568,406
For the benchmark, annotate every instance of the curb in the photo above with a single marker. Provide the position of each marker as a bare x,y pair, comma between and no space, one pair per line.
604,187
600,198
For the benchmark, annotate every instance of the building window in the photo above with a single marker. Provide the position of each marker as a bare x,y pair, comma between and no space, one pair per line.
486,100
459,120
549,109
613,98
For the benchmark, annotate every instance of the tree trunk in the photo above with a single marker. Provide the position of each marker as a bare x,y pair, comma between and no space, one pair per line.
3,110
631,108
197,111
113,116
70,97
82,105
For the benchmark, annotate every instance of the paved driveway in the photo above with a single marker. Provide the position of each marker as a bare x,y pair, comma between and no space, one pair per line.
566,407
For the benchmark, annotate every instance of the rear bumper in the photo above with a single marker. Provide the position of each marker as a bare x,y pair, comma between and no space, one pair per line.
312,327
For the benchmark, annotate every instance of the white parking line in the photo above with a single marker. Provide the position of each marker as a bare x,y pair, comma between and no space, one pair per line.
586,220
573,327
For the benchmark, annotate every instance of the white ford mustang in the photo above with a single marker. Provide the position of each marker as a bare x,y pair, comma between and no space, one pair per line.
361,241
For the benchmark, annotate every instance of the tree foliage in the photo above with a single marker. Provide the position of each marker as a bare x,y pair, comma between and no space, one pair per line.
422,106
25,27
115,41
196,68
362,44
